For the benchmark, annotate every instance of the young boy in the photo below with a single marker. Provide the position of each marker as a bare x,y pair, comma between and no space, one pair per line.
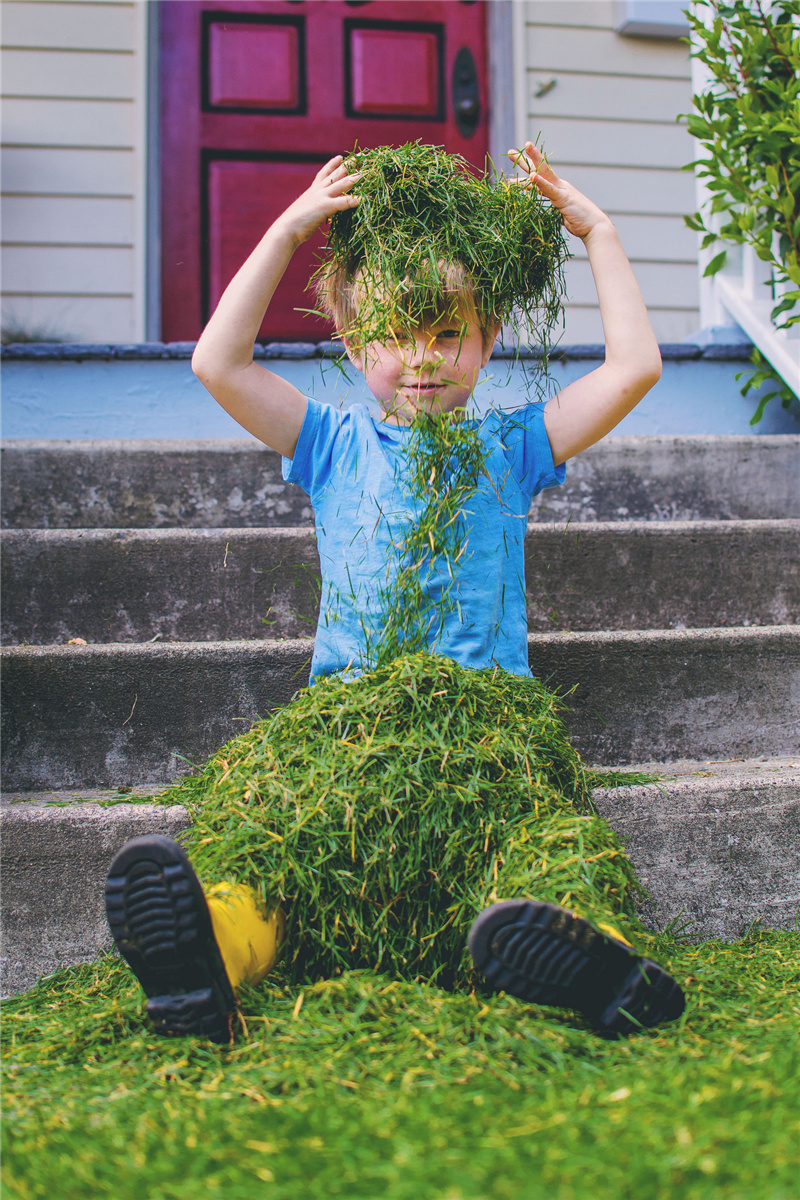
189,950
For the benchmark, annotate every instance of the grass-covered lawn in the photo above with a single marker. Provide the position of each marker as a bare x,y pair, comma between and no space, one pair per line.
368,1087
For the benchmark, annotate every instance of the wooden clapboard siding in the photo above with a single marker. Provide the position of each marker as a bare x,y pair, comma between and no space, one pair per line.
76,74
67,26
654,238
79,318
615,143
642,98
602,51
76,171
68,270
609,122
69,220
585,325
635,190
584,13
31,121
73,171
664,284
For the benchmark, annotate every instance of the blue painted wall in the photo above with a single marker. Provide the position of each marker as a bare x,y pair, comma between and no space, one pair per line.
150,392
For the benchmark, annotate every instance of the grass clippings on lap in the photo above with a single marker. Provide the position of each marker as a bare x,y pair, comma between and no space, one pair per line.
385,812
368,1086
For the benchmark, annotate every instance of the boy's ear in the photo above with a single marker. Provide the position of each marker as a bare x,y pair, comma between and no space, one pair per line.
355,355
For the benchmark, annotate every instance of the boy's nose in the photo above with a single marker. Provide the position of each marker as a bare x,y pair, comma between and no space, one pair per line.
422,352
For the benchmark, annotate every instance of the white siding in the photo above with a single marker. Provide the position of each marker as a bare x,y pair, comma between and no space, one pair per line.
73,168
609,124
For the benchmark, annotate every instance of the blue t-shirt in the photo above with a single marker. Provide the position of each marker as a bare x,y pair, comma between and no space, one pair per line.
349,463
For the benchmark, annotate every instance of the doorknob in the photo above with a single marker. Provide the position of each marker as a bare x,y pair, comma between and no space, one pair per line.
465,92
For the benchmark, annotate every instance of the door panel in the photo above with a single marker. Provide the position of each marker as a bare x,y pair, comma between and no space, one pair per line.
256,190
256,94
254,67
392,70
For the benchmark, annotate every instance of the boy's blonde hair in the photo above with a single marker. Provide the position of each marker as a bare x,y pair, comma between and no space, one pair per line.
448,294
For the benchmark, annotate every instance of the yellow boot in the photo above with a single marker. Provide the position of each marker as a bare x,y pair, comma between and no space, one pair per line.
188,950
249,937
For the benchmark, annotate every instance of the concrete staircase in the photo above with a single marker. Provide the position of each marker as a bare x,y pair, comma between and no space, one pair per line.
663,581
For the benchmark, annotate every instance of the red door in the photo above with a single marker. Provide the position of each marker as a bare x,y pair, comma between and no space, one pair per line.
254,94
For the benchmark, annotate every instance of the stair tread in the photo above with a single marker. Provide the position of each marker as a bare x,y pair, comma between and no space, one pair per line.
705,772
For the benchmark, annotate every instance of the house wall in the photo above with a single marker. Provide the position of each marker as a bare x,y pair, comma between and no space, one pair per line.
73,169
609,125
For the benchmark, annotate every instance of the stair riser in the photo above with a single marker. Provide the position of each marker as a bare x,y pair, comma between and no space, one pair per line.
225,483
716,855
55,862
209,585
121,715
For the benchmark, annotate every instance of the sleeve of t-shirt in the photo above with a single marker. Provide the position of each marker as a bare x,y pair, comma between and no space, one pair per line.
314,453
526,438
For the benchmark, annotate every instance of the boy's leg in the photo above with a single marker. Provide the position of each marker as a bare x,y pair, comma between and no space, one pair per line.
547,954
188,953
249,939
564,947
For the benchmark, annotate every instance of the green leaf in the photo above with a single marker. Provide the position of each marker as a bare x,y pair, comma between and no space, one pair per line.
762,404
716,264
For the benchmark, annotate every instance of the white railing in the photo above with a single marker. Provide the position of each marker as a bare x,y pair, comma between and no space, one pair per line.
745,291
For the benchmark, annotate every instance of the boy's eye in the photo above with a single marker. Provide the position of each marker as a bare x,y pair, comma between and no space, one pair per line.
448,333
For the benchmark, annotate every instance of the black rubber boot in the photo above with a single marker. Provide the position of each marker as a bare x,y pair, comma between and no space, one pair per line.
160,922
547,955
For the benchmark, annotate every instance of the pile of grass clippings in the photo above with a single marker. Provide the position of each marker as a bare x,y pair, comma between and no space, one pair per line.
420,210
365,1086
386,811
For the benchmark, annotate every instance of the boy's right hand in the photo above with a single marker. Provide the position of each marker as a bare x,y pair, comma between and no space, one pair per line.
328,194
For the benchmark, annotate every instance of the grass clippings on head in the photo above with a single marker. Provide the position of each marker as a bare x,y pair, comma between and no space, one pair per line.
420,211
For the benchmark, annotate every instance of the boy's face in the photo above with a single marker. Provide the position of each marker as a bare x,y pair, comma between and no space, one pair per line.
433,371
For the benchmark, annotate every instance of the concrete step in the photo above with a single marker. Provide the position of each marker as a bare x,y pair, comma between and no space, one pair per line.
717,844
103,484
220,584
111,715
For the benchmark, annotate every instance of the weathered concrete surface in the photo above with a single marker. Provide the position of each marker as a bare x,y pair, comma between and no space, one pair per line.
119,715
237,482
669,694
718,850
104,484
719,847
135,585
55,860
216,585
680,479
83,716
663,575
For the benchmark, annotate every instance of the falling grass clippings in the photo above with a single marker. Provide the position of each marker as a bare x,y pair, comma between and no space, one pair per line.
442,462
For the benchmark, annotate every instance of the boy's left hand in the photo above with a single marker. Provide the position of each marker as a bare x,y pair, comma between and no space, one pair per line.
579,214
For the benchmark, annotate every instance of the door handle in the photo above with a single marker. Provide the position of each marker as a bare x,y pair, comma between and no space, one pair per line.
465,93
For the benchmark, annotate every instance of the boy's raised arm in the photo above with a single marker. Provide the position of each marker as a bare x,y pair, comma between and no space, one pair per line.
266,405
589,408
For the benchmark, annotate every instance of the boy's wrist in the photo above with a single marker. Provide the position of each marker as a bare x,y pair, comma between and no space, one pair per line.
283,234
602,228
